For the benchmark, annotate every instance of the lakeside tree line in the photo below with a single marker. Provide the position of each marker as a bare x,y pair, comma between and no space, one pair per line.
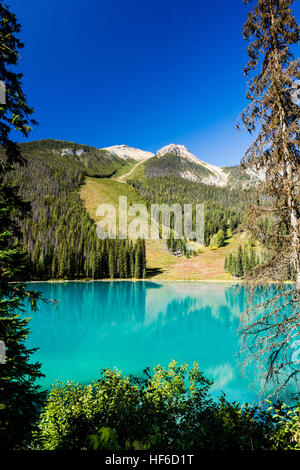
241,262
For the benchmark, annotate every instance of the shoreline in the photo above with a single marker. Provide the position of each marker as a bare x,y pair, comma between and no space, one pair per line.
62,281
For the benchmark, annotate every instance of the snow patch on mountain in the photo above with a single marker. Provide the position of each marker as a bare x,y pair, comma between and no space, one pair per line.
70,152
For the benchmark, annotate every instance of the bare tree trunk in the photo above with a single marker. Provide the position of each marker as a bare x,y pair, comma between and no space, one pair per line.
295,225
292,176
292,201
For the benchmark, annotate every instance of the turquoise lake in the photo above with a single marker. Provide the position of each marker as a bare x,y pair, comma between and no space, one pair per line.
134,325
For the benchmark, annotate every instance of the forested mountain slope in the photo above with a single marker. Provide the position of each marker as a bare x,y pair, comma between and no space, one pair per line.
177,160
205,264
92,161
164,179
58,234
172,164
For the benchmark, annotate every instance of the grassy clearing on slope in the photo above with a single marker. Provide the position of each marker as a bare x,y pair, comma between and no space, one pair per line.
206,265
121,172
136,171
97,191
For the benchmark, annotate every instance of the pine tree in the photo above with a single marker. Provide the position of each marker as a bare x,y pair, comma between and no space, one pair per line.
169,243
122,261
229,233
231,264
239,271
220,238
139,260
172,244
112,265
246,263
20,397
144,256
104,259
53,266
252,259
132,261
93,266
274,114
98,260
61,262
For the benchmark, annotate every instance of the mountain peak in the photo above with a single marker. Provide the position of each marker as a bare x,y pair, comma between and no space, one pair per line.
125,152
179,150
218,176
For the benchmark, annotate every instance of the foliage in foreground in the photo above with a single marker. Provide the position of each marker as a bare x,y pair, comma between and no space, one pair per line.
273,118
171,410
20,397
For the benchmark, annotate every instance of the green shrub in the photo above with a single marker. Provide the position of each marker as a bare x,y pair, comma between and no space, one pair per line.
171,410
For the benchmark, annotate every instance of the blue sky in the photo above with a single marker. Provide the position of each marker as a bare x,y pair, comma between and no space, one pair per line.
139,72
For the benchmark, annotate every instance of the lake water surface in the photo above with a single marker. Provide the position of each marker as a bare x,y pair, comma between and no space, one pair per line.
134,325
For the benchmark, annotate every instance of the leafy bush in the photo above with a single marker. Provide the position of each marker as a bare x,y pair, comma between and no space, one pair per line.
170,410
217,240
287,434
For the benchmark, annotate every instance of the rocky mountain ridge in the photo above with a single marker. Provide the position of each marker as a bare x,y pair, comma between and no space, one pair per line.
170,160
187,166
217,175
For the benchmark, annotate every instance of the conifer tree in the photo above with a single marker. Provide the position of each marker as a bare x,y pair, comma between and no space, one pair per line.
274,116
230,263
93,268
144,255
239,271
246,263
112,263
139,259
20,397
220,238
122,261
252,259
132,260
